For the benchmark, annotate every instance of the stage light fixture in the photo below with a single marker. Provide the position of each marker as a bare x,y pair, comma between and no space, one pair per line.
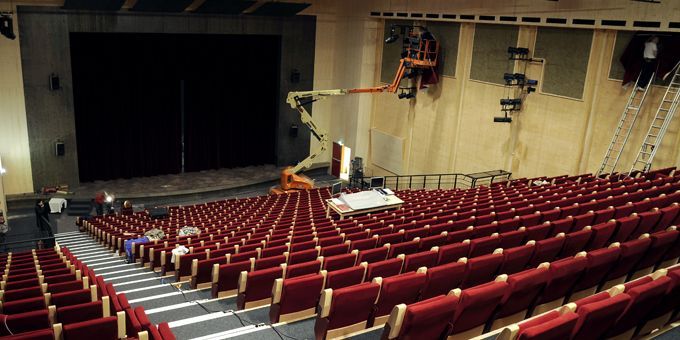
532,82
394,36
531,89
502,119
513,101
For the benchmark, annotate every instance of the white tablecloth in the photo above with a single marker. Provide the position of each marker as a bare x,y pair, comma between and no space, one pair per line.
57,204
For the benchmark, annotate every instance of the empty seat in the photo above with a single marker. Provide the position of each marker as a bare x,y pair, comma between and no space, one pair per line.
337,249
552,325
427,319
475,308
538,232
452,252
575,242
255,288
644,298
105,328
648,221
408,247
383,269
442,279
81,312
422,259
597,314
481,269
599,264
404,288
547,250
484,245
346,310
344,277
336,262
661,242
300,269
625,227
631,253
225,277
302,256
296,298
428,242
270,262
563,276
516,259
523,290
373,255
512,239
602,234
25,322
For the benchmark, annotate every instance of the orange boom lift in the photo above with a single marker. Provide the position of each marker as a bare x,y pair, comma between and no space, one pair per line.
420,53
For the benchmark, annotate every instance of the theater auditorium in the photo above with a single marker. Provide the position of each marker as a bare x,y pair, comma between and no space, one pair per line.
326,169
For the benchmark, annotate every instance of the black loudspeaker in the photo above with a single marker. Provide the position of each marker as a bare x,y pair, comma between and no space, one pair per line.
6,27
293,131
54,82
59,148
157,213
295,76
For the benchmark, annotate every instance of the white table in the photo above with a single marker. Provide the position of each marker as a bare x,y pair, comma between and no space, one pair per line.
388,202
57,204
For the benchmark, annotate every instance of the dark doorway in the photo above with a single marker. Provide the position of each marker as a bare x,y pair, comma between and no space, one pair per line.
153,104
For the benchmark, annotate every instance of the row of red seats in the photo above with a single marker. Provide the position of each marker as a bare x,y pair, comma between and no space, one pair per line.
225,280
631,309
247,250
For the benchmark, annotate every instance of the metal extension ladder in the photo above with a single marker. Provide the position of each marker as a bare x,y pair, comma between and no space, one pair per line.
623,129
662,119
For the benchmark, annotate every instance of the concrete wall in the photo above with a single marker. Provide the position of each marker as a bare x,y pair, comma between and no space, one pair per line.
14,145
46,50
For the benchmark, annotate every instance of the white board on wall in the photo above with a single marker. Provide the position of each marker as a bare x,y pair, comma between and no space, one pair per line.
387,151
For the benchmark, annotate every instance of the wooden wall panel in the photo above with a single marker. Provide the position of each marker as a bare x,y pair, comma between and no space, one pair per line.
14,147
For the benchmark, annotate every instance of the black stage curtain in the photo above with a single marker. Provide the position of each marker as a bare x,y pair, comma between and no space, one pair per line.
132,92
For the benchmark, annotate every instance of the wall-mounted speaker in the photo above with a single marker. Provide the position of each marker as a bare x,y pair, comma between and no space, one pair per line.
54,82
293,131
59,149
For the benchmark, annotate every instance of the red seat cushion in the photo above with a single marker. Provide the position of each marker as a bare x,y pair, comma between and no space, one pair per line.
105,328
428,319
345,277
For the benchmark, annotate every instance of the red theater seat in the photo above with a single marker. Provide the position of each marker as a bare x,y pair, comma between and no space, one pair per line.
345,277
296,298
255,288
383,269
346,310
598,314
482,269
24,322
476,307
523,290
404,288
427,319
442,279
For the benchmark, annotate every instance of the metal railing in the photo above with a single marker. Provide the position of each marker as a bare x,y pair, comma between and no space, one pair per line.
436,181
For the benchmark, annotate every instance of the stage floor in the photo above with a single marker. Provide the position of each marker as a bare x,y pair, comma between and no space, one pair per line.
181,184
